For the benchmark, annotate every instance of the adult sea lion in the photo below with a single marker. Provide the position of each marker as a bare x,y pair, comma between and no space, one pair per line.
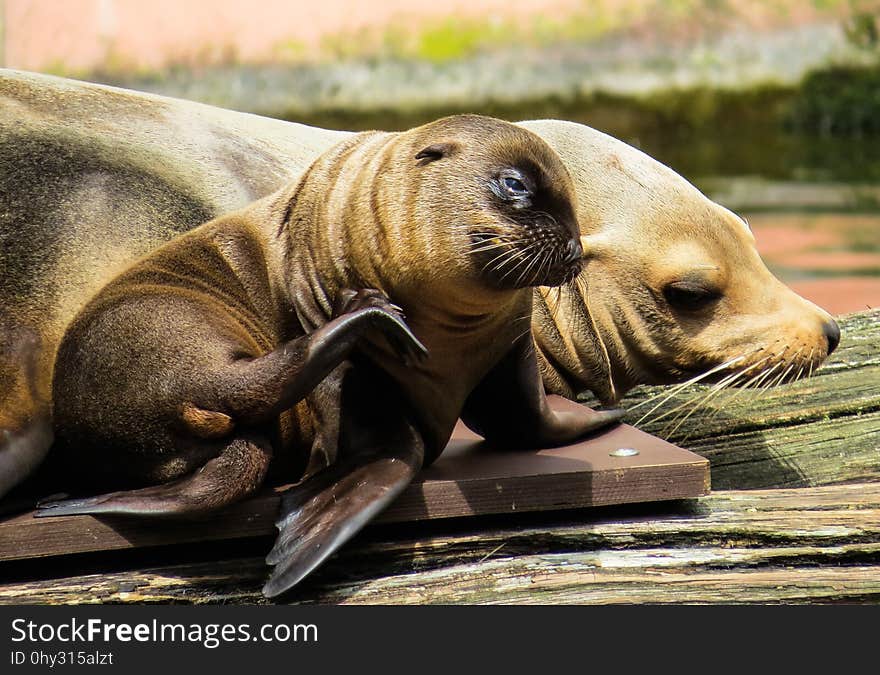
210,355
675,287
103,175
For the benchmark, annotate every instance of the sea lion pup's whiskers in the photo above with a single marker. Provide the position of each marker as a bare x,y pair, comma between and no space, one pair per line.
523,258
524,273
243,341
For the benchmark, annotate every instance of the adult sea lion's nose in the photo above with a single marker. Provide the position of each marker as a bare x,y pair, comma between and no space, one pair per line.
832,334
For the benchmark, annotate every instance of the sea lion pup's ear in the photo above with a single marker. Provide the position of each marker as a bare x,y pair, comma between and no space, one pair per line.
436,151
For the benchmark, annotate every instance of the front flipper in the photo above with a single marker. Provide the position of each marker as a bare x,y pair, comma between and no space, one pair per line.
509,406
235,473
262,388
326,510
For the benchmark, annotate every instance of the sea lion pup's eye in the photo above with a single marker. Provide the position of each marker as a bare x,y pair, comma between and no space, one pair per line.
689,295
511,185
514,186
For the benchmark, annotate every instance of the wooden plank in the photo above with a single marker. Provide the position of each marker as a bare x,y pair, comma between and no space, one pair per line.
469,479
786,545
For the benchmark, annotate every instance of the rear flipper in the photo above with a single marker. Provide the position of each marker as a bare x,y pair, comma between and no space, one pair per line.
235,473
23,451
329,508
25,425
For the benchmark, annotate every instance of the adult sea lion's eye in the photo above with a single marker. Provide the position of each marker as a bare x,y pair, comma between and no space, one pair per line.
689,296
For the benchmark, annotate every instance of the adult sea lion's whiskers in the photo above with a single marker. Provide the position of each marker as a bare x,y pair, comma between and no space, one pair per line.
723,389
803,367
712,393
745,385
810,374
779,380
756,382
794,362
760,386
698,395
677,389
776,379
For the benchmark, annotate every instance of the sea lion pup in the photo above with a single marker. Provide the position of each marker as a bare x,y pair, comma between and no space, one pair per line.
212,354
675,288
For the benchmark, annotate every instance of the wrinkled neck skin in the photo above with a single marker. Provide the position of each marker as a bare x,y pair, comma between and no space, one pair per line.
572,354
338,229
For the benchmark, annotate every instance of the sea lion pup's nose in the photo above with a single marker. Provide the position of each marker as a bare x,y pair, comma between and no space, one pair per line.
832,333
573,252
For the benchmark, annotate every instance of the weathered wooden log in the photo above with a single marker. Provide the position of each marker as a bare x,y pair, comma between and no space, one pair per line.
787,545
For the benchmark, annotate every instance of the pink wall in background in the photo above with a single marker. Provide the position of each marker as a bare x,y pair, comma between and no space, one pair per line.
80,34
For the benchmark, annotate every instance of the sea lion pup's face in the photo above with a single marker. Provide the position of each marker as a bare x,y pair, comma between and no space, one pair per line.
673,287
453,215
496,198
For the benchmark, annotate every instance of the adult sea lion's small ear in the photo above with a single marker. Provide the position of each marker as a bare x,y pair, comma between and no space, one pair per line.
436,151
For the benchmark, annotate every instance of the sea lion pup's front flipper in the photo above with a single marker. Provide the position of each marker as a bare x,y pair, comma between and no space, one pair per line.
330,507
255,391
509,407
